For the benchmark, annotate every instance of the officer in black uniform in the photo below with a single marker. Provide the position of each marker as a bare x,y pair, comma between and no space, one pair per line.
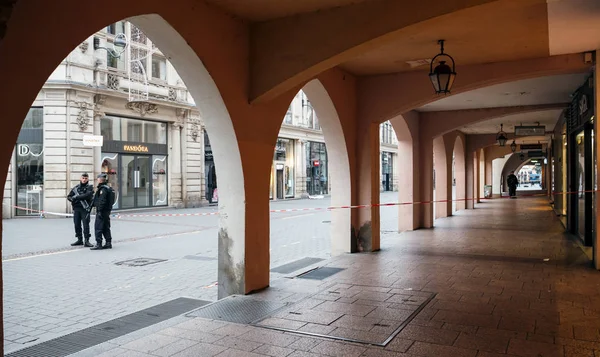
103,208
81,199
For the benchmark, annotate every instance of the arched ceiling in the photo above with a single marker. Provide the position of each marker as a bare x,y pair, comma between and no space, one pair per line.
264,10
475,35
547,118
537,91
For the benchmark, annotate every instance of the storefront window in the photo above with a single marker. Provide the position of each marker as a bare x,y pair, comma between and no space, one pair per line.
316,169
110,128
159,180
135,130
30,164
30,178
110,164
387,171
580,140
284,169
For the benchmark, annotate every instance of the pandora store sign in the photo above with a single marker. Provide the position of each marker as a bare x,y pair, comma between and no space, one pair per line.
131,147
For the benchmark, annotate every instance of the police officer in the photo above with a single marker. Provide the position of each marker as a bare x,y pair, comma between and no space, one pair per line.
81,199
103,207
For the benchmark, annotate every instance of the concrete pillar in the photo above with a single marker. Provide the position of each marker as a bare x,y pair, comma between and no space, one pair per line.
488,169
97,152
481,176
175,192
596,237
443,175
477,177
368,235
426,181
470,179
460,173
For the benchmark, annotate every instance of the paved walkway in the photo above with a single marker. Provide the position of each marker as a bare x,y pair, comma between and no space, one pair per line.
52,289
506,279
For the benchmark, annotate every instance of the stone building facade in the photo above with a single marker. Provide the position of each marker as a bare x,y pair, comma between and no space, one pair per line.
154,146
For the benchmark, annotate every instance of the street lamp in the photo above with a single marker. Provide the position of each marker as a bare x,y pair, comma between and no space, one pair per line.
513,146
501,137
119,45
442,77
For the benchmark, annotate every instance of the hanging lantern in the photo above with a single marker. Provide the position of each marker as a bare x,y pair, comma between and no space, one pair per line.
513,146
442,77
501,137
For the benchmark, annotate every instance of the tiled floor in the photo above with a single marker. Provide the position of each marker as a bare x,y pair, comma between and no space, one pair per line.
507,280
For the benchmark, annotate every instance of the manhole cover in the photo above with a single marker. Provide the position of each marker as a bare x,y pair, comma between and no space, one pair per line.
140,262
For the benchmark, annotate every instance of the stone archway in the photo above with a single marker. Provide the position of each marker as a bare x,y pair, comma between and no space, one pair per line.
408,186
225,147
200,83
338,165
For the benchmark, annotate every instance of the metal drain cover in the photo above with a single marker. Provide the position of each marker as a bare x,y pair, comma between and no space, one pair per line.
238,309
139,262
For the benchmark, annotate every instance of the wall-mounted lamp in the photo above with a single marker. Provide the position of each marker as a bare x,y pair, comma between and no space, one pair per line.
442,77
513,146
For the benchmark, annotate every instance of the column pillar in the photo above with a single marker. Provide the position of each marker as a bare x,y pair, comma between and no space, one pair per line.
426,181
477,179
440,162
97,150
596,237
470,179
175,182
368,235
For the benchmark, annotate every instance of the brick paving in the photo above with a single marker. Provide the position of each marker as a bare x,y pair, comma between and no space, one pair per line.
52,289
508,283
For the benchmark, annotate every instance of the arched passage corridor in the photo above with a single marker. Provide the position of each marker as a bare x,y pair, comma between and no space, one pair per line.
245,65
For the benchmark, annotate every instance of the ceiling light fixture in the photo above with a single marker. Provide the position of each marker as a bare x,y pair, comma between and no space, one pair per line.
442,77
501,137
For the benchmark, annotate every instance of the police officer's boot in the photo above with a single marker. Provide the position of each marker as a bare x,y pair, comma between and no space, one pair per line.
98,246
78,242
108,245
87,243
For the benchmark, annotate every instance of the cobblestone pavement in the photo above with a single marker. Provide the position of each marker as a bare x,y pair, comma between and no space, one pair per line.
506,279
51,289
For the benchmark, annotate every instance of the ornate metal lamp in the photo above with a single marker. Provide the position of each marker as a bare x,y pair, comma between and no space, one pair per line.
442,77
513,146
119,44
501,137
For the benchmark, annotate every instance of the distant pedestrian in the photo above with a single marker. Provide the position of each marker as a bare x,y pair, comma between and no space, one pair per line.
103,201
81,199
512,182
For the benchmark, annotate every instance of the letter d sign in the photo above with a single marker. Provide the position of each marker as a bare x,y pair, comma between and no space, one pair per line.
23,150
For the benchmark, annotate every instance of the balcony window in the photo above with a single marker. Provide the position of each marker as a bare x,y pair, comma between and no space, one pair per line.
159,67
115,63
116,28
138,61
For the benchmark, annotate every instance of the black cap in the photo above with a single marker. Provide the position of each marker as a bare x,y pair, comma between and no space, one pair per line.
85,174
103,176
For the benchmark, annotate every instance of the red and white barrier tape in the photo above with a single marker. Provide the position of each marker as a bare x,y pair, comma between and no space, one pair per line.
330,208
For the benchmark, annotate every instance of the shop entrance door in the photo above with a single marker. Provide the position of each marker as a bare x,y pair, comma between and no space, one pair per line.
280,183
136,181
